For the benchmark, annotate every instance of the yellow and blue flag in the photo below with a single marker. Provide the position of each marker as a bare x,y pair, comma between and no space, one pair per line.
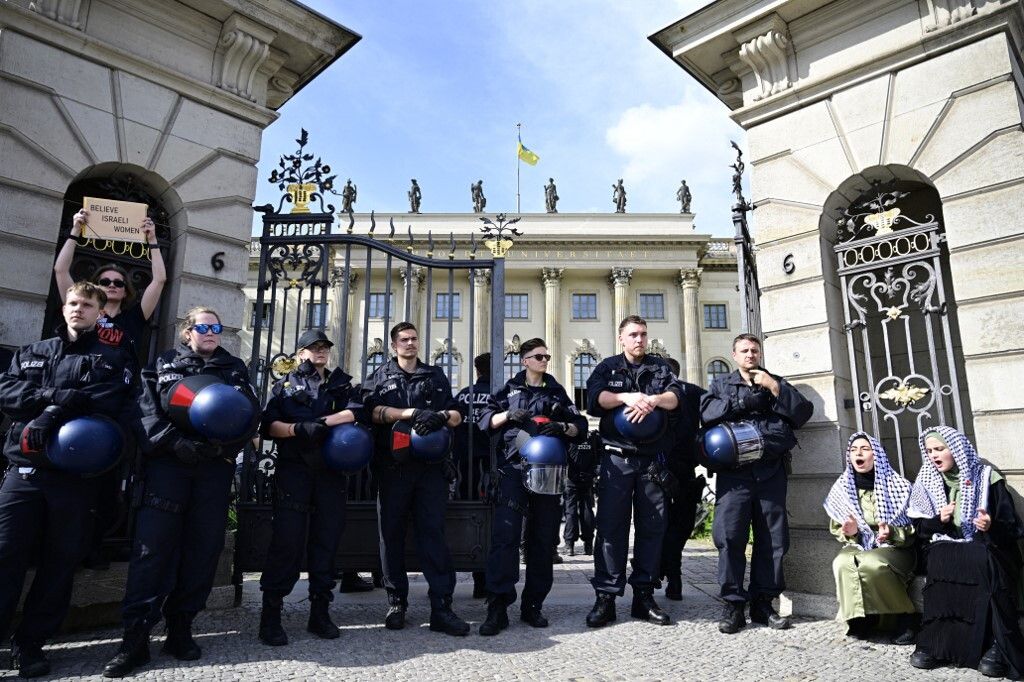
526,155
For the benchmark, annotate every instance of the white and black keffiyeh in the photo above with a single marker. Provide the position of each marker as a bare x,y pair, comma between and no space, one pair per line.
929,494
892,494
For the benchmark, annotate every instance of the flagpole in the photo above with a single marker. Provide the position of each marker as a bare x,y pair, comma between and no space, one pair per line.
519,162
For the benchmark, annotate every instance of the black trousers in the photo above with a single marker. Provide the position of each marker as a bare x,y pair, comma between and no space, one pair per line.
420,491
179,535
743,502
579,512
44,516
541,530
625,491
680,514
309,517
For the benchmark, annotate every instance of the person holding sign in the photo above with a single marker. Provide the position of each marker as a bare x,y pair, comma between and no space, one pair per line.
121,308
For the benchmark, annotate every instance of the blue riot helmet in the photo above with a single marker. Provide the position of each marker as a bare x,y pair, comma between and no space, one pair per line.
647,431
730,445
432,447
204,405
87,445
348,448
544,461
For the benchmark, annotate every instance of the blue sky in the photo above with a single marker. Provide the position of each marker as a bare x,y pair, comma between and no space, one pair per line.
434,89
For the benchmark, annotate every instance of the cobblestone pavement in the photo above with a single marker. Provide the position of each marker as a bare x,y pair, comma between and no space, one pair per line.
690,649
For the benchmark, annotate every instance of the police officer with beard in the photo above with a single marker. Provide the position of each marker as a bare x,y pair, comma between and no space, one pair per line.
309,498
405,389
44,511
474,443
753,494
632,474
529,394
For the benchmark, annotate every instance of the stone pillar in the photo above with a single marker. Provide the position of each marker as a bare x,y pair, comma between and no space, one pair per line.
619,280
481,281
415,295
552,278
689,282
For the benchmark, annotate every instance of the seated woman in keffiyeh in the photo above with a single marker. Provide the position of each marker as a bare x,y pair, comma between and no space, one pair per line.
868,505
962,508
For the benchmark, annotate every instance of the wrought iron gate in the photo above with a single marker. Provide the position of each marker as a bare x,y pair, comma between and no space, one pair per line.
308,268
901,341
746,264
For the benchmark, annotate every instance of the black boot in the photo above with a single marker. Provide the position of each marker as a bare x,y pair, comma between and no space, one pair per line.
352,582
906,629
857,628
588,547
674,588
570,548
443,619
179,639
320,623
497,617
395,618
603,611
992,663
762,611
733,618
134,652
271,632
29,660
924,660
645,608
531,615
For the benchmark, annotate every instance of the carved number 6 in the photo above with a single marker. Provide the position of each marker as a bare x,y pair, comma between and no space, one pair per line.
216,262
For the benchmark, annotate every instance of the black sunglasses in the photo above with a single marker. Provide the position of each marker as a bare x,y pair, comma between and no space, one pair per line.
107,282
543,357
216,328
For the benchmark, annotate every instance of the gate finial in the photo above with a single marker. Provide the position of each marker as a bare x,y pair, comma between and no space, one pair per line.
495,234
301,183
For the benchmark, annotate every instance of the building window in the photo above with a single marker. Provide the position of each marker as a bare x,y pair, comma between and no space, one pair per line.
316,315
377,303
374,361
449,364
582,367
584,306
517,306
512,364
715,317
265,318
717,368
447,305
652,306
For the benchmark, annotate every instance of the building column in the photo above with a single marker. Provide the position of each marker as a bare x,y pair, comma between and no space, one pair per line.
689,282
480,279
552,278
619,280
415,292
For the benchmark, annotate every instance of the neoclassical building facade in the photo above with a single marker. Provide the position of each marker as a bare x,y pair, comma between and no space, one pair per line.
569,279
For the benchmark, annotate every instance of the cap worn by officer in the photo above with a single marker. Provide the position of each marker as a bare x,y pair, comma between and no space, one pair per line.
311,336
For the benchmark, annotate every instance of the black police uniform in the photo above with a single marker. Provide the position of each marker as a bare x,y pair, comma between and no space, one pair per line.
44,512
681,506
179,528
754,493
473,451
415,487
514,501
578,498
307,494
624,483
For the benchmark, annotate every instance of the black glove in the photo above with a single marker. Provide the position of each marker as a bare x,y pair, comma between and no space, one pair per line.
188,451
37,431
69,398
426,421
757,401
519,416
556,429
312,432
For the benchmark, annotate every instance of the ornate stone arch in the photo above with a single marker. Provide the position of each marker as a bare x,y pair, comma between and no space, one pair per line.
657,347
447,348
587,347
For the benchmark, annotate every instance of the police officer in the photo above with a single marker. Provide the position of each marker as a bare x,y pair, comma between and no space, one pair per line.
405,389
754,493
578,499
179,529
474,444
630,474
309,499
44,511
531,393
681,505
